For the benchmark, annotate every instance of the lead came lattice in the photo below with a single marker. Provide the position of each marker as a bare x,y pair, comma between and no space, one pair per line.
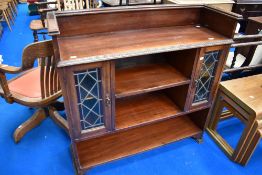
89,96
206,77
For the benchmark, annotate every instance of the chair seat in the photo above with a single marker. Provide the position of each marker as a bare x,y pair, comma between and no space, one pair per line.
27,84
37,25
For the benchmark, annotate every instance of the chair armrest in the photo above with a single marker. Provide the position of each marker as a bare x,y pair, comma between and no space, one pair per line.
45,3
5,89
45,10
10,69
43,6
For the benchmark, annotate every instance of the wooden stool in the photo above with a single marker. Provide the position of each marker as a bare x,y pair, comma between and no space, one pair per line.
243,98
6,14
36,26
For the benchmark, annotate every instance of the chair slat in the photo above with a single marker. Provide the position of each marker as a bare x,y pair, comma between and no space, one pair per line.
55,81
52,83
47,76
42,77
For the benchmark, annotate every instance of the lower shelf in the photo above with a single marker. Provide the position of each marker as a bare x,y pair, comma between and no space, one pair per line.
137,110
121,144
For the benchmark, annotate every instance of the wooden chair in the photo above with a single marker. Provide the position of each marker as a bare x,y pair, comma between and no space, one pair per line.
34,87
12,5
37,26
5,15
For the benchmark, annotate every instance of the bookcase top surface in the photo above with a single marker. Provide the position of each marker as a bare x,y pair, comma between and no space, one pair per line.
113,45
113,33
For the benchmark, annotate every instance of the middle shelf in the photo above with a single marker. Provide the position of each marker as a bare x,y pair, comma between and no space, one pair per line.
147,78
149,107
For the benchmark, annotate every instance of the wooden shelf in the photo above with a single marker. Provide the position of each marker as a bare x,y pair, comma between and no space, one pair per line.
123,42
121,144
144,108
147,78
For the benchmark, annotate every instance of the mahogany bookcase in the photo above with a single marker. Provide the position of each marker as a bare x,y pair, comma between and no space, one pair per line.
136,78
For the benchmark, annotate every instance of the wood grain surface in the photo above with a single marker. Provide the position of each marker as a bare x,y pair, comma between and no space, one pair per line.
143,109
133,40
118,145
146,78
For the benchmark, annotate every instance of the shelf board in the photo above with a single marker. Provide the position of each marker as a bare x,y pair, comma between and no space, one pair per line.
87,48
147,78
141,109
121,144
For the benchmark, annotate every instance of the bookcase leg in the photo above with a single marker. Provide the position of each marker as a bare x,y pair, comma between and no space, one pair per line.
198,138
78,171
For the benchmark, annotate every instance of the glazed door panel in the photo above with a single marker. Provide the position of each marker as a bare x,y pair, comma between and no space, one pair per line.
90,101
90,98
207,76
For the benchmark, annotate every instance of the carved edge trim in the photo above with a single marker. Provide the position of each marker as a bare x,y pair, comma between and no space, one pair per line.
108,57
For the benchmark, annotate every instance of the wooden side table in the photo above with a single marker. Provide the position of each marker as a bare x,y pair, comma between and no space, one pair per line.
242,97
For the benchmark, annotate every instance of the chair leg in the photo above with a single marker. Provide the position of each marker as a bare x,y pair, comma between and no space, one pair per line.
57,118
59,106
11,9
234,58
7,20
31,123
14,7
9,13
35,35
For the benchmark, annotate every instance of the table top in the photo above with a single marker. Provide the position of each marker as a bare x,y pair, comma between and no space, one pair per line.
246,92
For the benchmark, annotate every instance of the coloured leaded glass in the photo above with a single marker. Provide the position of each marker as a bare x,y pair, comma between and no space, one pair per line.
89,96
206,77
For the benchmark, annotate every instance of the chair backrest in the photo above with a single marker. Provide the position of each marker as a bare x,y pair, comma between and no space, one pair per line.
139,2
48,75
73,4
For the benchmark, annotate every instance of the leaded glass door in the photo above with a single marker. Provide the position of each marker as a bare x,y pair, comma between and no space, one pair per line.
93,98
207,76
